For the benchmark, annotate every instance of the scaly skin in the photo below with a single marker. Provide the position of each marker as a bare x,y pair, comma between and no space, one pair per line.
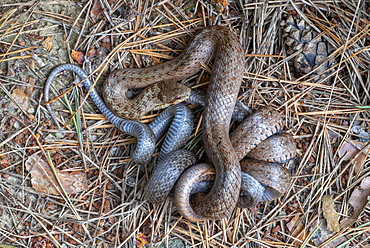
221,44
226,78
260,179
146,138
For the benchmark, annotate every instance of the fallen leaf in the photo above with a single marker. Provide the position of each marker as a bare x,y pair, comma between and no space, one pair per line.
297,229
20,98
356,151
94,53
47,44
142,240
359,160
78,56
96,10
330,214
43,179
358,200
350,148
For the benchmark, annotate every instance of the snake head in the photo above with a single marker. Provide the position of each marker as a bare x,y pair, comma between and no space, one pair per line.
172,93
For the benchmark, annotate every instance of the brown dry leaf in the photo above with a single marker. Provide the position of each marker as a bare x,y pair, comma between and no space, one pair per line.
359,160
330,214
43,179
355,151
94,53
349,149
47,44
78,56
21,98
142,240
297,229
358,200
96,10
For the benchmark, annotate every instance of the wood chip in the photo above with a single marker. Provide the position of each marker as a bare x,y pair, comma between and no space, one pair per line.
359,199
78,56
20,98
47,44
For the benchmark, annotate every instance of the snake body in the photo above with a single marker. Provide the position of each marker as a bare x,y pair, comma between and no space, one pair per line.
146,139
188,63
261,179
223,89
221,45
177,120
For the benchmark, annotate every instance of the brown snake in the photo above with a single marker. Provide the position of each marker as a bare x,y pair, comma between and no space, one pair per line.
226,78
264,179
222,45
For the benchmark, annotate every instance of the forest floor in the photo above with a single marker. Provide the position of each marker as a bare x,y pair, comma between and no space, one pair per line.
102,202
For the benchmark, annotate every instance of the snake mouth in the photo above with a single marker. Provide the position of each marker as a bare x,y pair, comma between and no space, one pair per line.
178,99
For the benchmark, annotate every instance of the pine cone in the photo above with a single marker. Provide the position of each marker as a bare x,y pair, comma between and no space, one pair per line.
298,34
